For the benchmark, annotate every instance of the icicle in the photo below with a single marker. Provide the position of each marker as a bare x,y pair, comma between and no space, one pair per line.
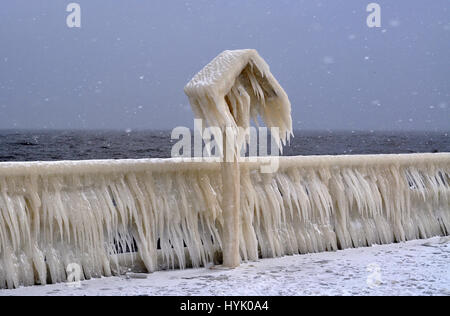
93,213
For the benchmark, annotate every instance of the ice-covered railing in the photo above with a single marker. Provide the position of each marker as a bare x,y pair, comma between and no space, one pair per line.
168,213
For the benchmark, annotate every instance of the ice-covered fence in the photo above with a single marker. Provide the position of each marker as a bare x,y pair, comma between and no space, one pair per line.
168,213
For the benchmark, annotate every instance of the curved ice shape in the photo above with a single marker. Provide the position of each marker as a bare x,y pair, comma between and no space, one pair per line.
235,86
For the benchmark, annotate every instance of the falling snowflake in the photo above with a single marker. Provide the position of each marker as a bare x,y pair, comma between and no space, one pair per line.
376,102
394,23
328,60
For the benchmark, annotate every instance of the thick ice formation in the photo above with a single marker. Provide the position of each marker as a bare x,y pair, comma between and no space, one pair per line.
235,86
55,214
226,93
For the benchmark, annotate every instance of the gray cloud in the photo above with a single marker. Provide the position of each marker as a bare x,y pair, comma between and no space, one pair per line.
127,65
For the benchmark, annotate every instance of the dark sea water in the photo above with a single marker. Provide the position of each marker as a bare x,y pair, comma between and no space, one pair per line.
82,145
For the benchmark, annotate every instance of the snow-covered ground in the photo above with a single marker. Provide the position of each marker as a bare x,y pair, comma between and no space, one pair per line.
420,267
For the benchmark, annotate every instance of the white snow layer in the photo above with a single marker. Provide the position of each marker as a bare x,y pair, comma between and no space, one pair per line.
59,213
418,267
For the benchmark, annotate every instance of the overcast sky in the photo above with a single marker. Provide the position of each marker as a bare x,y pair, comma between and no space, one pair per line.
128,63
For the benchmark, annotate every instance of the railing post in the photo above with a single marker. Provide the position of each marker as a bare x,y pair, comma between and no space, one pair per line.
231,191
